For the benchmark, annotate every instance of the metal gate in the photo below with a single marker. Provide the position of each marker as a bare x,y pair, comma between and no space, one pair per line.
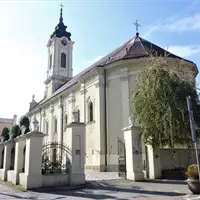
55,158
121,158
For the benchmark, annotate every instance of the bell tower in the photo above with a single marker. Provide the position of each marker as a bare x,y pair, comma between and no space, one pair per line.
60,48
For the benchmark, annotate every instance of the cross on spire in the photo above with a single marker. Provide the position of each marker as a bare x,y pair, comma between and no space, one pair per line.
61,5
61,8
137,25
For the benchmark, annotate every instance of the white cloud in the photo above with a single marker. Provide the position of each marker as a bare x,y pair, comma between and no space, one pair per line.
177,24
184,51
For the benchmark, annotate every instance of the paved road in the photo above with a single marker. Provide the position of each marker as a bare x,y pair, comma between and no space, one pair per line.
106,187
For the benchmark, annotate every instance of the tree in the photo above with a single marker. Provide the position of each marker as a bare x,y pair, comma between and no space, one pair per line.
5,134
159,105
15,131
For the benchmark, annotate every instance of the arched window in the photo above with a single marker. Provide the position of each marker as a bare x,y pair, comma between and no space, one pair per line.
90,112
50,61
63,60
55,125
47,128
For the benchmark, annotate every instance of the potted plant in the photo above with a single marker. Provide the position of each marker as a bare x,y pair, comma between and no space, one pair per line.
193,179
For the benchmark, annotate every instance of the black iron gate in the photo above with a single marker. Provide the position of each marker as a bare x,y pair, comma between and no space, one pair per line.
55,158
121,158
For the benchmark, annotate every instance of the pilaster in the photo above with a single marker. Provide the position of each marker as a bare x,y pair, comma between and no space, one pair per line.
83,103
51,123
13,176
60,122
43,121
7,159
71,106
124,96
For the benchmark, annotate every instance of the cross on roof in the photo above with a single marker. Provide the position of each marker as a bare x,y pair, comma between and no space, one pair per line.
61,5
137,25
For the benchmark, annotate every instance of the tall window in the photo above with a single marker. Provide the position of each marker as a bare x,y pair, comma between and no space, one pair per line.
63,60
66,119
50,61
55,125
91,118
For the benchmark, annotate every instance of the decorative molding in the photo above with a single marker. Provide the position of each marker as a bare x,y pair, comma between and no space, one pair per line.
88,100
94,101
99,83
51,108
43,113
124,74
82,89
71,98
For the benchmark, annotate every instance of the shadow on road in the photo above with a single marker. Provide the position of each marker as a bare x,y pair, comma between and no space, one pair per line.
107,190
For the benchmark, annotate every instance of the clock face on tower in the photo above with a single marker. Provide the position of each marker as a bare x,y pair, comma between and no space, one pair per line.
64,41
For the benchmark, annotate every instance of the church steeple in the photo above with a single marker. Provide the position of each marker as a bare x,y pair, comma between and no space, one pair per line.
60,29
60,47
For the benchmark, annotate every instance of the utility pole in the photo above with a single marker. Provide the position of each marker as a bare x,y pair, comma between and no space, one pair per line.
192,128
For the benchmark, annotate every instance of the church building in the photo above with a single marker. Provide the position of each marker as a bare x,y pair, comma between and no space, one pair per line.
98,96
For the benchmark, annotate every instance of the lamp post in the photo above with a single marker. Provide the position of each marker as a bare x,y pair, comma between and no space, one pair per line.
192,127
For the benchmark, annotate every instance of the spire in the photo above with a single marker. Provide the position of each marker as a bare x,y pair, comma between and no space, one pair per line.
61,17
60,29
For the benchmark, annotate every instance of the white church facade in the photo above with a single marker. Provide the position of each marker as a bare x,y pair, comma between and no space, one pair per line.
98,96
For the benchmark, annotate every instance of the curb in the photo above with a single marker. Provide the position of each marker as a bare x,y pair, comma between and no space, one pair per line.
57,188
167,181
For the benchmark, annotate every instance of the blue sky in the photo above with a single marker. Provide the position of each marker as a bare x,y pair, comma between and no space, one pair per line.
97,27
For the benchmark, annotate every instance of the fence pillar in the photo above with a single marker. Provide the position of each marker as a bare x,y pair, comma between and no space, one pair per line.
19,158
32,177
76,135
154,162
6,159
134,169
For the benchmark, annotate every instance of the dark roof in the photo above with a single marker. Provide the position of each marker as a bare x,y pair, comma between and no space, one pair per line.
60,29
134,48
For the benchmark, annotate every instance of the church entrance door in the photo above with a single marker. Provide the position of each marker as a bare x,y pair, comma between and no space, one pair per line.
121,158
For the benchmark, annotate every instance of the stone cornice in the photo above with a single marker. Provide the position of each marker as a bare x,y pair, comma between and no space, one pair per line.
51,108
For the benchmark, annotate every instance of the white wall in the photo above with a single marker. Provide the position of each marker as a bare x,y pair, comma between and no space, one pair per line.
181,158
